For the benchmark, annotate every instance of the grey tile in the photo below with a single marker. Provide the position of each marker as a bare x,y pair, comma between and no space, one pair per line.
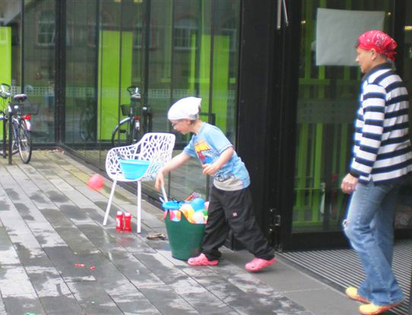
76,240
324,301
134,303
61,305
65,262
92,298
23,305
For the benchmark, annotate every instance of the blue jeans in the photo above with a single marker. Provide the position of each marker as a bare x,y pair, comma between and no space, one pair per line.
369,227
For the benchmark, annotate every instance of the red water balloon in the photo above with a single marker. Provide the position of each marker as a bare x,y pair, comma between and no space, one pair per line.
96,182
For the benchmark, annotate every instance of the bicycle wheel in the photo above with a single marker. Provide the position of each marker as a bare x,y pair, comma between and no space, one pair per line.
83,126
87,126
14,136
122,133
24,142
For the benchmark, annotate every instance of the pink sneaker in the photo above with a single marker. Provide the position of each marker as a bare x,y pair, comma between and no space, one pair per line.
258,264
202,260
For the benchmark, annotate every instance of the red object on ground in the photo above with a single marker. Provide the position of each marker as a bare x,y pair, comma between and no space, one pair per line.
127,222
119,221
96,182
79,265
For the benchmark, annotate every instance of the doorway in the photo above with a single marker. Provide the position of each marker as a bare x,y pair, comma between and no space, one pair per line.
323,101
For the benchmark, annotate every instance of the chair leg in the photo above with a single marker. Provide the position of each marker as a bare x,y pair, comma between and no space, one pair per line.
109,203
139,207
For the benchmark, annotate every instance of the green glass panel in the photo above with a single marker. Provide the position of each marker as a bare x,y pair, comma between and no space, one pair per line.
110,80
5,62
5,55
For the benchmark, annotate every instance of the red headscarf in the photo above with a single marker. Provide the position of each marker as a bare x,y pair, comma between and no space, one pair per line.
380,41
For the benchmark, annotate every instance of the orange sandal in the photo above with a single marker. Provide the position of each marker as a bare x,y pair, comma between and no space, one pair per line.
352,293
372,309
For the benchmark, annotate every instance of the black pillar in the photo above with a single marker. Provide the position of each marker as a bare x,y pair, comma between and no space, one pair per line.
60,72
255,98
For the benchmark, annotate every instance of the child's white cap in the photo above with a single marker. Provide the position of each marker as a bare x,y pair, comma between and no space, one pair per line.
185,108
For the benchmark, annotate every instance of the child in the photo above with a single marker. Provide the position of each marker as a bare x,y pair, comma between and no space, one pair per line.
230,204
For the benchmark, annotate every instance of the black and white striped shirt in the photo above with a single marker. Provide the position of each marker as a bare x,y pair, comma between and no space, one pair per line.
382,149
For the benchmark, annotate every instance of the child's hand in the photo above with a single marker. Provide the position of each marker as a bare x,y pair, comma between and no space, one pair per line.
159,180
209,169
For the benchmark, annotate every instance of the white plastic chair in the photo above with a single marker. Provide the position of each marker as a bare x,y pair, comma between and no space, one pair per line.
154,147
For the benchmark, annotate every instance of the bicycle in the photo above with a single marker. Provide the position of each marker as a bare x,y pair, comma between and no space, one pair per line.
131,129
20,131
87,123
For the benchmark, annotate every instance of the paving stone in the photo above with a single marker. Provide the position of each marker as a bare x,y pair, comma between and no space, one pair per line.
23,305
61,184
134,270
46,234
52,241
2,307
65,261
134,303
56,196
75,214
97,215
78,198
175,307
91,194
32,256
56,218
14,282
76,240
47,281
61,305
92,298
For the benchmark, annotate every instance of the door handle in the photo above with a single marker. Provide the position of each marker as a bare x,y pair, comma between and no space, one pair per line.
279,15
282,8
285,12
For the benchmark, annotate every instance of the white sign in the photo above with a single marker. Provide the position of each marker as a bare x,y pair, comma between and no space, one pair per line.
337,32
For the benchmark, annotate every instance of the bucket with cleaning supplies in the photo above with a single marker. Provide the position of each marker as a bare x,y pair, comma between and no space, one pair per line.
185,237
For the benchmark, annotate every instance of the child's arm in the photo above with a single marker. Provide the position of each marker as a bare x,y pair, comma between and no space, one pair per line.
211,169
176,162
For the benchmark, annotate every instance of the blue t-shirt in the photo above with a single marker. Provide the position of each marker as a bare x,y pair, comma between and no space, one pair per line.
207,146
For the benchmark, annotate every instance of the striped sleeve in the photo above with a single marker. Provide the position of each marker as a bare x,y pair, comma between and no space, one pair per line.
369,127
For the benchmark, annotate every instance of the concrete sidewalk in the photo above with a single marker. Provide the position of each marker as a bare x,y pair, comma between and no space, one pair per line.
57,258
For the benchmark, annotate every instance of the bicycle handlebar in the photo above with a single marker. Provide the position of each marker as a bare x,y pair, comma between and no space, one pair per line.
3,93
134,92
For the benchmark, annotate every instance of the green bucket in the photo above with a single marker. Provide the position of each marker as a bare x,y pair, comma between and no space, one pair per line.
185,238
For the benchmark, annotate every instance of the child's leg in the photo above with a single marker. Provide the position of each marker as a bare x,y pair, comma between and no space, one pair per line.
239,213
216,229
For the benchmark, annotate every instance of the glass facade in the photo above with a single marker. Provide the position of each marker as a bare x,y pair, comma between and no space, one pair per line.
38,71
76,60
169,49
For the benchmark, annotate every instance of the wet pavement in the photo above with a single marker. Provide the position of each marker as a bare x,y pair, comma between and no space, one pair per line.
56,257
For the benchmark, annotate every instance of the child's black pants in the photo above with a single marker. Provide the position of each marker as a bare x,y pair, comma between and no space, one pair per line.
233,210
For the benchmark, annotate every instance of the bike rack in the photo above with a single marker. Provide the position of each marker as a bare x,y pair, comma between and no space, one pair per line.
4,138
7,145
